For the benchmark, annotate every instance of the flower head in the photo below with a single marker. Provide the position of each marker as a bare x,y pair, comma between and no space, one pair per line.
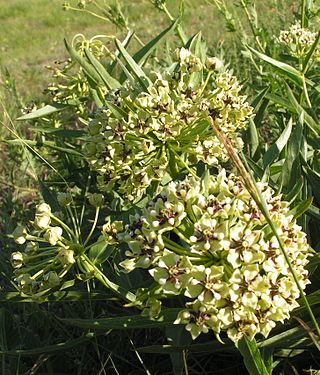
219,252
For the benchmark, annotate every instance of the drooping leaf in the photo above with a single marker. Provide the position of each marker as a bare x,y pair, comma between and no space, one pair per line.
49,349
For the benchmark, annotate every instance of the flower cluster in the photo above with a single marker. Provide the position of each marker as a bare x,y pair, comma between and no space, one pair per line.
299,40
47,255
207,240
70,81
142,134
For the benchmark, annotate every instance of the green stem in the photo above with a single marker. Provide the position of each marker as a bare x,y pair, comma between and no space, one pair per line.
252,27
186,166
65,227
93,226
99,275
303,13
182,236
33,257
264,209
75,226
205,84
181,33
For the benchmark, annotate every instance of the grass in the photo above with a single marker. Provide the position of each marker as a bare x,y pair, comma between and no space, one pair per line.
32,32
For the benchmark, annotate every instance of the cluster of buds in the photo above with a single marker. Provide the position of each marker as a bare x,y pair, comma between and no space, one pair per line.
47,254
70,82
208,241
299,41
143,134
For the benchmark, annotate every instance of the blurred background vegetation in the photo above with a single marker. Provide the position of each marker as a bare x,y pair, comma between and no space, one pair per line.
32,31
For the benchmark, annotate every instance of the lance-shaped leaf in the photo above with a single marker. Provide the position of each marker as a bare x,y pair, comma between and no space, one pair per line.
133,67
274,151
44,111
167,317
287,70
252,357
144,52
88,68
49,349
109,81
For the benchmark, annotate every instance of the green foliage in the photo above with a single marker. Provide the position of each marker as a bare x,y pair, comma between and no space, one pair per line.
148,218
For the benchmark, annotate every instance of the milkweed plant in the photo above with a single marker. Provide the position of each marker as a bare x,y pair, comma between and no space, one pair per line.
167,201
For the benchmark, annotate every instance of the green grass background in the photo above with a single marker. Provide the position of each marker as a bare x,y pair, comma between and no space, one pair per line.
32,32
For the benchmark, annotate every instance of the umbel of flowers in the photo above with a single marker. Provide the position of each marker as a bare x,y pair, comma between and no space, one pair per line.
299,40
161,124
207,241
51,248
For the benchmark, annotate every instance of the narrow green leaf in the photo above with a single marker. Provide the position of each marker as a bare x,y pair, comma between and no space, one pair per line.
109,81
133,67
294,190
274,151
287,70
63,133
44,111
167,317
207,347
252,357
291,171
125,43
118,112
48,144
285,339
313,126
59,296
256,102
254,137
144,52
48,197
311,53
177,335
301,208
100,252
83,62
49,349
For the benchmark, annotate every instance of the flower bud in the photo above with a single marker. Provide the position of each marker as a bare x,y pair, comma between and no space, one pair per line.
53,235
96,200
20,235
64,199
213,63
17,259
66,256
50,280
43,208
42,221
32,247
